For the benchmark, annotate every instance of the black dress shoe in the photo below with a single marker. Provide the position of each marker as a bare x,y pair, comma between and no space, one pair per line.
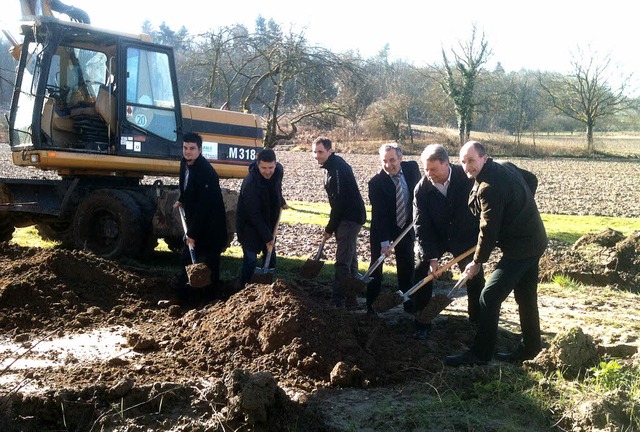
517,356
466,358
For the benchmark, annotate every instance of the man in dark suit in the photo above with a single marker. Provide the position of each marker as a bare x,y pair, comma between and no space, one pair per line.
201,198
444,223
389,217
503,198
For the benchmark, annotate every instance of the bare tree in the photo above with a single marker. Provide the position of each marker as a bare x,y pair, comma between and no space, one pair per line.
458,79
589,93
293,82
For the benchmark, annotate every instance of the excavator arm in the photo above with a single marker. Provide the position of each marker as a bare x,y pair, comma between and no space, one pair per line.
45,8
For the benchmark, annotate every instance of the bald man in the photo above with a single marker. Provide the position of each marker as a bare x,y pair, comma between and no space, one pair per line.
503,198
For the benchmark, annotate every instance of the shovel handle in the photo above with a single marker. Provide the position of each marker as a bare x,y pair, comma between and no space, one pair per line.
438,272
267,259
270,249
382,257
192,252
402,234
319,253
183,219
458,284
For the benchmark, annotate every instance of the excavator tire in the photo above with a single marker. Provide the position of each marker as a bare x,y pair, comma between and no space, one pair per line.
147,207
6,231
109,223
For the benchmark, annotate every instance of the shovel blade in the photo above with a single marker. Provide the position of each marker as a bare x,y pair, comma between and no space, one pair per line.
387,300
437,304
262,276
311,268
199,275
354,285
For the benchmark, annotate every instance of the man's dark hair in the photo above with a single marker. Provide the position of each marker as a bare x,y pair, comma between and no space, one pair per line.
266,155
326,142
193,138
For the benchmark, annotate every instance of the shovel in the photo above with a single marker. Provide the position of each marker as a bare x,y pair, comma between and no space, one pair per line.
311,268
198,273
439,303
358,284
264,275
388,299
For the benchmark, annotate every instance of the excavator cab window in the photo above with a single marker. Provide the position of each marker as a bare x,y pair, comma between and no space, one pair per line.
150,93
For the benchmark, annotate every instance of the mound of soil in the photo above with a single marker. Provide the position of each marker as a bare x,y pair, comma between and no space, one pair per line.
264,339
600,259
572,353
48,289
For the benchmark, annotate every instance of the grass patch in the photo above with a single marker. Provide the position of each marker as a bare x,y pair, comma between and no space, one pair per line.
301,212
569,228
565,228
565,281
29,237
501,399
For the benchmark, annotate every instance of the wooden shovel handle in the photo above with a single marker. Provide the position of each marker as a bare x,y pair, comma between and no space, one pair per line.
439,271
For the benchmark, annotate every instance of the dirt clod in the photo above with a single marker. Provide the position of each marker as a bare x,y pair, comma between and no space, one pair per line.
571,353
199,275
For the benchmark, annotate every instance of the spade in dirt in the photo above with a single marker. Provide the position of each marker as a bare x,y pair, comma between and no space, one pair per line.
264,274
358,284
389,299
198,273
311,268
438,303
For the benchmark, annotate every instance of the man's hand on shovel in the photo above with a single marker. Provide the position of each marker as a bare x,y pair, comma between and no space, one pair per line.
472,269
191,243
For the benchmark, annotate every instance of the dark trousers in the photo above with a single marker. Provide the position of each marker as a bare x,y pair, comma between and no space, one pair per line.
420,299
521,277
250,262
346,257
212,261
405,264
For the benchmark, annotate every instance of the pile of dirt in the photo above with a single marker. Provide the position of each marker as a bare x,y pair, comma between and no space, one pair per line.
291,330
264,342
48,289
607,258
571,353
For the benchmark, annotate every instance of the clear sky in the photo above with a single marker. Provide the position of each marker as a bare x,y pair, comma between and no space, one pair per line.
535,35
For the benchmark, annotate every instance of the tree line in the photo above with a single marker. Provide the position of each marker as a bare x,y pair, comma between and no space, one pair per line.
290,82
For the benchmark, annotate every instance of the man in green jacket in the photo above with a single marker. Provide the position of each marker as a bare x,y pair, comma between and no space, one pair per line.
503,197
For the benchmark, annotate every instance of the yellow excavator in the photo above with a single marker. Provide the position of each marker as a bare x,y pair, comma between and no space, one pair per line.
102,109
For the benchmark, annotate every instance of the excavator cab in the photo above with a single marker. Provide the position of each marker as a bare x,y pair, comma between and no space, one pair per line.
89,91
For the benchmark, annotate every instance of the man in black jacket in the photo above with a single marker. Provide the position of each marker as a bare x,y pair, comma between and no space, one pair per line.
391,198
346,218
503,197
444,223
259,206
201,198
